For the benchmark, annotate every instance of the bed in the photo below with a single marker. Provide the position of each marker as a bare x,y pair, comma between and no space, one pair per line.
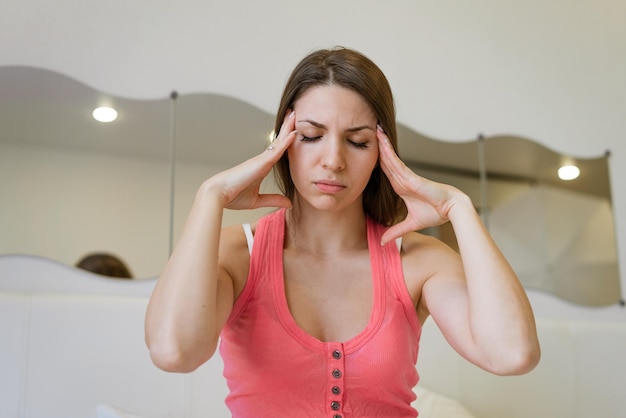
71,346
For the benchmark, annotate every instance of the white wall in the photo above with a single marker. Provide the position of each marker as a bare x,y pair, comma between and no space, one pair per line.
552,71
62,204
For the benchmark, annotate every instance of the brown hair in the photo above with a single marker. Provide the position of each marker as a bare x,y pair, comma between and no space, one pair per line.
105,265
349,69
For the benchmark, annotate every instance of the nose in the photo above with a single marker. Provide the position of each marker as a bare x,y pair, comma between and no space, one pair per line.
333,157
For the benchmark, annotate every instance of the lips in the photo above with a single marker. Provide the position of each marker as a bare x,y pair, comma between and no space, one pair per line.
329,186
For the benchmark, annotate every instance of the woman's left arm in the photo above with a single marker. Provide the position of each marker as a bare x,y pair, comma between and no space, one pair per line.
478,302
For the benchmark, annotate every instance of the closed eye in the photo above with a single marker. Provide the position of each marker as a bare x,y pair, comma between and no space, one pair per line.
356,144
309,138
359,144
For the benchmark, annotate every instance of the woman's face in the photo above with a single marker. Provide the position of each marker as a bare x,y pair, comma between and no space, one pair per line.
335,149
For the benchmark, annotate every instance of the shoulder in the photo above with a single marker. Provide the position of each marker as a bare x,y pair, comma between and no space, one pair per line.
234,255
426,252
233,237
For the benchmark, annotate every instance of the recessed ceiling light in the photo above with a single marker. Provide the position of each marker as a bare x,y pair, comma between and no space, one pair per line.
569,172
104,114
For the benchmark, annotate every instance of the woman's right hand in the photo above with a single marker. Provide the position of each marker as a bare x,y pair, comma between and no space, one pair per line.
239,187
195,293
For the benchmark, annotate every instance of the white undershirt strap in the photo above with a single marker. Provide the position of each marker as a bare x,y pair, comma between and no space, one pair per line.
249,238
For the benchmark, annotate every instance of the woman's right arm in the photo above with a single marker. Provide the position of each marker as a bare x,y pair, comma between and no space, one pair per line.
194,295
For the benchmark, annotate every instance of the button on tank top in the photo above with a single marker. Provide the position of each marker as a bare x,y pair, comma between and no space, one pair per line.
274,368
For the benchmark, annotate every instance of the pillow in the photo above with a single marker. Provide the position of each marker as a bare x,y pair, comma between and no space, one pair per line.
430,404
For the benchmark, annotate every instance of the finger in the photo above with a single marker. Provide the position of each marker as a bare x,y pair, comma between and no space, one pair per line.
272,201
385,148
396,231
391,164
285,136
288,125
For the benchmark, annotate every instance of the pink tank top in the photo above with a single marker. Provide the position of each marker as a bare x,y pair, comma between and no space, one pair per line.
275,369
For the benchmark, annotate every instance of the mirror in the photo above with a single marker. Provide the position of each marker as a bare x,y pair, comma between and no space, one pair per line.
558,235
214,133
71,185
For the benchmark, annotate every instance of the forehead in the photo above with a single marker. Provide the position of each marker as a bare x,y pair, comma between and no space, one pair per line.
333,102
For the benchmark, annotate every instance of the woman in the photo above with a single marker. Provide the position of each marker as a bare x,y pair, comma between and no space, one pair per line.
319,305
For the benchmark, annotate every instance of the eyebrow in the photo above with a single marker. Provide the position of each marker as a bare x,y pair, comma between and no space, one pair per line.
322,126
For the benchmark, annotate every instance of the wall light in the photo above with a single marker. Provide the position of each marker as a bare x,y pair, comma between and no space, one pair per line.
568,172
104,114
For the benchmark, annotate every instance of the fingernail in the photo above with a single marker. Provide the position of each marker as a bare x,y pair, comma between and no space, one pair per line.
293,112
380,128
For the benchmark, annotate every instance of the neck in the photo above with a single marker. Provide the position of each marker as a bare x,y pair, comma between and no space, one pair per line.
325,232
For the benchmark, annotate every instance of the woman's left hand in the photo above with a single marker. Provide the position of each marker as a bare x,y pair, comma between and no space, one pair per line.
428,202
477,301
